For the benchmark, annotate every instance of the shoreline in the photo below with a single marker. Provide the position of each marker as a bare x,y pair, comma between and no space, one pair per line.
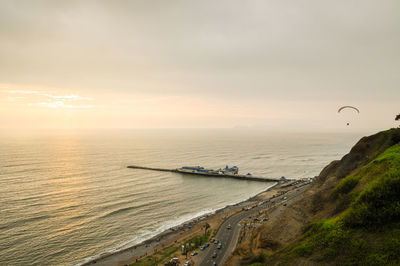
169,236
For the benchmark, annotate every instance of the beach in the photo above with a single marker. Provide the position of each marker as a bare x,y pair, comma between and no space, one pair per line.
181,232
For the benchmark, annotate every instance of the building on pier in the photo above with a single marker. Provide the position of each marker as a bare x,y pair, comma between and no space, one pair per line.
198,169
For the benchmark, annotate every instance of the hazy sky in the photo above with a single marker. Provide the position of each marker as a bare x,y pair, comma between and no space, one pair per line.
199,64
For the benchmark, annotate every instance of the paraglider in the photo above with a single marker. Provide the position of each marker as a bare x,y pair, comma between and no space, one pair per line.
348,107
351,107
397,117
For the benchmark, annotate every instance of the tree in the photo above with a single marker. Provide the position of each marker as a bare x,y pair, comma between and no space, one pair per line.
206,226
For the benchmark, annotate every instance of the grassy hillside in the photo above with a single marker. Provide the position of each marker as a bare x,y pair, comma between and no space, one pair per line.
366,231
359,200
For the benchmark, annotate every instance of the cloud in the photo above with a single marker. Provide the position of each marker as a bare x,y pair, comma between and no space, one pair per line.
60,104
69,97
41,98
23,92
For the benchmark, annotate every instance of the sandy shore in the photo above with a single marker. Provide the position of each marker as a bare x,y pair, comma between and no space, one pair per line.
178,233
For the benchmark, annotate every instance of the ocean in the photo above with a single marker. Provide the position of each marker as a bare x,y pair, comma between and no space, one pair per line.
68,197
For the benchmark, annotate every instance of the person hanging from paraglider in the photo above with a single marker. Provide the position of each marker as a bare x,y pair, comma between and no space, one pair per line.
349,107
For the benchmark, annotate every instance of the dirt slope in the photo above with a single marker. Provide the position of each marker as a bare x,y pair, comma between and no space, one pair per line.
315,204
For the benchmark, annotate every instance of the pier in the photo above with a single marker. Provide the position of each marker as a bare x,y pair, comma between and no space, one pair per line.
235,176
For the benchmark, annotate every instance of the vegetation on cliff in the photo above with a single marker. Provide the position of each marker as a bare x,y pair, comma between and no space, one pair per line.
364,227
367,231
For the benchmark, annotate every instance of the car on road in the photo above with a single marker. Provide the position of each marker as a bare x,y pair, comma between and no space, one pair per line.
174,261
214,263
194,253
214,255
229,226
219,245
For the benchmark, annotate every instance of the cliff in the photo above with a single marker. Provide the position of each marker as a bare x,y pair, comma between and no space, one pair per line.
349,216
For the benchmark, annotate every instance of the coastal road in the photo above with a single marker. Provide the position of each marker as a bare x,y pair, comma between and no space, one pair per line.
229,237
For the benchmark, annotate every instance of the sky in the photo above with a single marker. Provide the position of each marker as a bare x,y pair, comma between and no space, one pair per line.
274,65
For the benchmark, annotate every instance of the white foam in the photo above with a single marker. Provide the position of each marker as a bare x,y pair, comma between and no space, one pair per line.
168,225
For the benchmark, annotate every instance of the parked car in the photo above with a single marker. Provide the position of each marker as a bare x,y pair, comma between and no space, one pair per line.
194,253
214,255
219,245
229,226
174,260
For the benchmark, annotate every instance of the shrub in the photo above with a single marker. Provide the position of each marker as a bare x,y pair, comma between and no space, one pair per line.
326,236
255,260
257,264
345,186
378,204
304,250
391,245
376,260
197,241
344,201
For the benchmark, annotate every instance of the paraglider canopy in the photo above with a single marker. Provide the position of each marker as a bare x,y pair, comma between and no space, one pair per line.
351,107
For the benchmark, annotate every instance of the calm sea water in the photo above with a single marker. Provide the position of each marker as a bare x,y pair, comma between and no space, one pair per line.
65,198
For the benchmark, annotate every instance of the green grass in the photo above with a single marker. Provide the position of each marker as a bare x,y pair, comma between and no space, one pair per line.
198,240
326,237
160,257
331,240
379,202
346,185
166,254
257,260
366,229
